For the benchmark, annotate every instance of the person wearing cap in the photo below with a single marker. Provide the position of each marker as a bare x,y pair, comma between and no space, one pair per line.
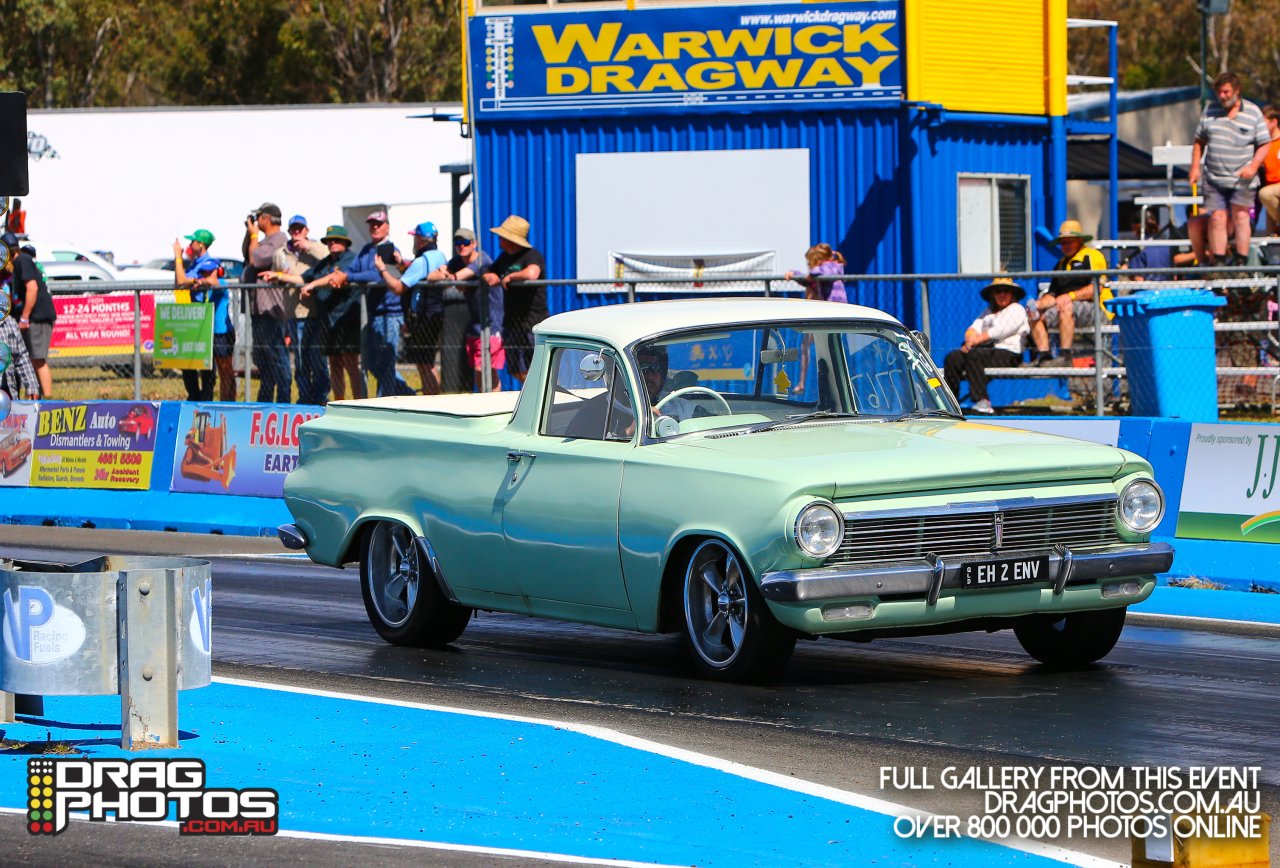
200,275
525,306
1071,299
424,310
266,304
469,261
335,309
383,306
993,340
304,338
33,309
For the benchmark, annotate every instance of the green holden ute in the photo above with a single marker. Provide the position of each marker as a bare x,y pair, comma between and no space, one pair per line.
744,472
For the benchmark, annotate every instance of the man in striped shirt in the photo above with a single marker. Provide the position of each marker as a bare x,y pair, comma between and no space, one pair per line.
1231,140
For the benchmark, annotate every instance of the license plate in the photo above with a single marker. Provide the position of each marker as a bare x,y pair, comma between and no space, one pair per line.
1011,571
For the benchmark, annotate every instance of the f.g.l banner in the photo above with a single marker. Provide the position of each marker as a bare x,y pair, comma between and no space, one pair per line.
716,57
228,449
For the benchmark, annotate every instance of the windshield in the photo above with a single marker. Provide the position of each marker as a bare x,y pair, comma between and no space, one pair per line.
766,376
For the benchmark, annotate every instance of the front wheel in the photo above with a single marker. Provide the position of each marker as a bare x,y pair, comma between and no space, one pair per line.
729,632
401,596
1074,639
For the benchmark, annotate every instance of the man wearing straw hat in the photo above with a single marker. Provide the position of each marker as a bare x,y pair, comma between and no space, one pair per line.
993,340
1071,299
525,306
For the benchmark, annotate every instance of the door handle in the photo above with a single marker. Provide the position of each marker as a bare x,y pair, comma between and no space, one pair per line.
516,455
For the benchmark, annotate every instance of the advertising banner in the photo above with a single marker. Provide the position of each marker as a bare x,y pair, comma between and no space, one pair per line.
184,336
716,57
99,325
1229,491
245,450
99,444
17,434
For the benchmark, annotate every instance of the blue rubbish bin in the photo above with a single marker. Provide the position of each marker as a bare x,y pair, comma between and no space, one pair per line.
1169,357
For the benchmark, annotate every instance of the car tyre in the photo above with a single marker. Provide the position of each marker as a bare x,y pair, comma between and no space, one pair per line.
401,595
1074,639
729,632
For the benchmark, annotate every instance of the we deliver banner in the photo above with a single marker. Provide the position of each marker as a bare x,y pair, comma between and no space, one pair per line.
714,57
227,449
100,444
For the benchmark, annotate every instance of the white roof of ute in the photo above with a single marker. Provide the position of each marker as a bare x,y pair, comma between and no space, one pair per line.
623,324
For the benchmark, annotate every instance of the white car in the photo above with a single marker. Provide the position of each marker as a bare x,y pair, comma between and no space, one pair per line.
74,253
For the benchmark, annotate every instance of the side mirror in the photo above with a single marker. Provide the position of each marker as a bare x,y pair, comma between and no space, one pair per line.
922,339
591,367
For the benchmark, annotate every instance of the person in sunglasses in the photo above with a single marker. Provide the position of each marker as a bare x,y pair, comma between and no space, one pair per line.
654,366
466,264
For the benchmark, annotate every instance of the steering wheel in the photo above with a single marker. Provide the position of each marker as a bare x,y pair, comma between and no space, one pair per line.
712,392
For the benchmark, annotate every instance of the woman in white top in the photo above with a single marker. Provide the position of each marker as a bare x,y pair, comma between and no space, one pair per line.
994,340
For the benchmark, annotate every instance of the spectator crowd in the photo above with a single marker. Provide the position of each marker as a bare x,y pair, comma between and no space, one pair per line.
305,309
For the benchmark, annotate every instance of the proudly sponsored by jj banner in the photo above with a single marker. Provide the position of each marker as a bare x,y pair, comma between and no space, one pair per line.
713,57
245,450
1230,490
99,444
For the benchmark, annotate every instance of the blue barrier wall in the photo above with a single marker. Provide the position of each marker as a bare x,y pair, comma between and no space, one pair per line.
155,509
1163,442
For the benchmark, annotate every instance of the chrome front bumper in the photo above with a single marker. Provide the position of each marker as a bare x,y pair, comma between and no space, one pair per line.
931,577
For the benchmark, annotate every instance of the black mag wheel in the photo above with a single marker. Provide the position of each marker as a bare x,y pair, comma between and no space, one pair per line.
1073,639
729,632
401,595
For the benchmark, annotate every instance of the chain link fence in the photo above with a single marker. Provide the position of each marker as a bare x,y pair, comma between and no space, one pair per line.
104,341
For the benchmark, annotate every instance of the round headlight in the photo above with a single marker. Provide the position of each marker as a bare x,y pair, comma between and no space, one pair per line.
1141,505
819,529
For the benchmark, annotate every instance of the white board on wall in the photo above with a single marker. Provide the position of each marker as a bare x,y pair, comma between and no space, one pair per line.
693,203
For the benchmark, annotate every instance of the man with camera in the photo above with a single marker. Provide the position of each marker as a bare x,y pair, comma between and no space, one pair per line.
267,307
383,304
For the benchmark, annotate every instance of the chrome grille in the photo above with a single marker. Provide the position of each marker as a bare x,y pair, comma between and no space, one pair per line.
960,534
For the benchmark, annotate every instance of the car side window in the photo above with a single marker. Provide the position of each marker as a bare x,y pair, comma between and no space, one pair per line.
588,397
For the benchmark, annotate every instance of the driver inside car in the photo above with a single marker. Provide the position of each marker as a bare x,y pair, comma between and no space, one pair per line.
653,364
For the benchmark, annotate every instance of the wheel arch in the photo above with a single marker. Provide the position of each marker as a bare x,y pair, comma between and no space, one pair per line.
350,551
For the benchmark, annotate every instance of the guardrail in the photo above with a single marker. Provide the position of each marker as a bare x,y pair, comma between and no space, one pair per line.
140,627
940,304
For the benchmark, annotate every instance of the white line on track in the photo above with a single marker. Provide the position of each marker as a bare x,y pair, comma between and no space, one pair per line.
810,788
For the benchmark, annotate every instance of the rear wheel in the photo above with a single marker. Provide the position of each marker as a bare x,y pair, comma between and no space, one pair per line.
401,595
1074,639
729,632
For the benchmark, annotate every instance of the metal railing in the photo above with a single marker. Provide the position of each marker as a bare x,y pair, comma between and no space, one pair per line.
942,304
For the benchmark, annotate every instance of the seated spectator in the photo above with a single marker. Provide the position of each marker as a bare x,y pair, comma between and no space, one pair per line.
1269,195
1156,256
993,340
